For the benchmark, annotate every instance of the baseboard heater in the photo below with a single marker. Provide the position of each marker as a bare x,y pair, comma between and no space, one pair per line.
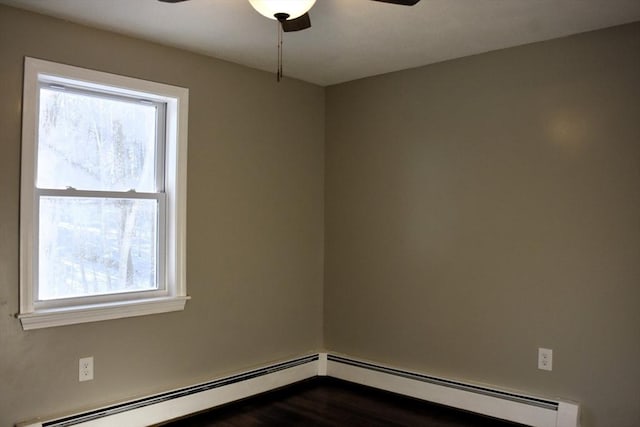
527,410
185,401
510,406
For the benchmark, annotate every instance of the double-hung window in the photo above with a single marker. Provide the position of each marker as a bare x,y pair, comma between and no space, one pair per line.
103,200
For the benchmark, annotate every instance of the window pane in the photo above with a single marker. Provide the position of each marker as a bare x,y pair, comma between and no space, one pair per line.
90,142
96,246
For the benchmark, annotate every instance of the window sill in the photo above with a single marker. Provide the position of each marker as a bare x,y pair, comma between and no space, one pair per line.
94,313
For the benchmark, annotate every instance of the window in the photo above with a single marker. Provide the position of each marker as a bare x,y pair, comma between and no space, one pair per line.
103,196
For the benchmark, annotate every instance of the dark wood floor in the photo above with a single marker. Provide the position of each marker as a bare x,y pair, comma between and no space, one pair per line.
329,402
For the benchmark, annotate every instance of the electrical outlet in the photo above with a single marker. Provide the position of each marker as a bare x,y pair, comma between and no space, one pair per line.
86,369
545,359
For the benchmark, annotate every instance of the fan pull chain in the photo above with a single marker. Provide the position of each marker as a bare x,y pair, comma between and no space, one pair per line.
279,72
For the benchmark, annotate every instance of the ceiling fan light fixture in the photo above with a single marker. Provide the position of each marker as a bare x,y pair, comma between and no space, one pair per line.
293,8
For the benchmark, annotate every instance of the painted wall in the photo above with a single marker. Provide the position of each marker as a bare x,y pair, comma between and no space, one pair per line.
255,229
481,208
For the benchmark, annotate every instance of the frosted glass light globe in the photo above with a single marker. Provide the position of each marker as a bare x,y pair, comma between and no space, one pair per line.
294,8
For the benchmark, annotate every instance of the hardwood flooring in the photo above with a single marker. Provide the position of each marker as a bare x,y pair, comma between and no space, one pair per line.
327,402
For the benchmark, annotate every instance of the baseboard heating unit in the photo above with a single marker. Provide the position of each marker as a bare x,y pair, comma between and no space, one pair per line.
523,409
177,403
528,410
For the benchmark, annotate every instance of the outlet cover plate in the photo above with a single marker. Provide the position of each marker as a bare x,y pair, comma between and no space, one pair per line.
85,372
545,359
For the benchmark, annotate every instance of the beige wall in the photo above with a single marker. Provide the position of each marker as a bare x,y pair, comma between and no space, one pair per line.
255,229
481,208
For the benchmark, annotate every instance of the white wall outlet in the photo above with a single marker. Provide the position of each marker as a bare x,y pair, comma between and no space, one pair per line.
545,359
86,369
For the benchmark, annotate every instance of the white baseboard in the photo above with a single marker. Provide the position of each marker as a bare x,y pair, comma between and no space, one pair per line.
185,401
490,401
484,400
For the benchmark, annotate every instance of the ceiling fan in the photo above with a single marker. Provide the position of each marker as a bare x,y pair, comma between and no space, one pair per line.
293,15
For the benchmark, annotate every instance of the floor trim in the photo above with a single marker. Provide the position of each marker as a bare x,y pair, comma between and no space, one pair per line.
481,399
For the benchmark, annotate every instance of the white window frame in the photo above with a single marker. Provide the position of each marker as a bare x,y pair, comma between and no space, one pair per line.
172,292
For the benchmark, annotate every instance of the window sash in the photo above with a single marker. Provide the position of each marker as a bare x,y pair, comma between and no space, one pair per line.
161,130
161,244
159,196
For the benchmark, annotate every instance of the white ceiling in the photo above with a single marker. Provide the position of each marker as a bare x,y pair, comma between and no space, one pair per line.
350,39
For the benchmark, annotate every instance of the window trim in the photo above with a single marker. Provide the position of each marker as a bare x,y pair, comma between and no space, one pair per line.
37,72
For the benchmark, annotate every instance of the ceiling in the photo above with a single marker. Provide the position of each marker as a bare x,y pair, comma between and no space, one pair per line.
350,39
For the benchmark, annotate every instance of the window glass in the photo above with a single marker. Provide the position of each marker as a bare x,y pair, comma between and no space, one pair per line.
96,246
95,142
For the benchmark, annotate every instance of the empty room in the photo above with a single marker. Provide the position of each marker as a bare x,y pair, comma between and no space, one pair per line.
206,202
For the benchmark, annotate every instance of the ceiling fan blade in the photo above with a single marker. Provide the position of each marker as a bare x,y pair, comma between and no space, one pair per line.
400,2
300,23
171,1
